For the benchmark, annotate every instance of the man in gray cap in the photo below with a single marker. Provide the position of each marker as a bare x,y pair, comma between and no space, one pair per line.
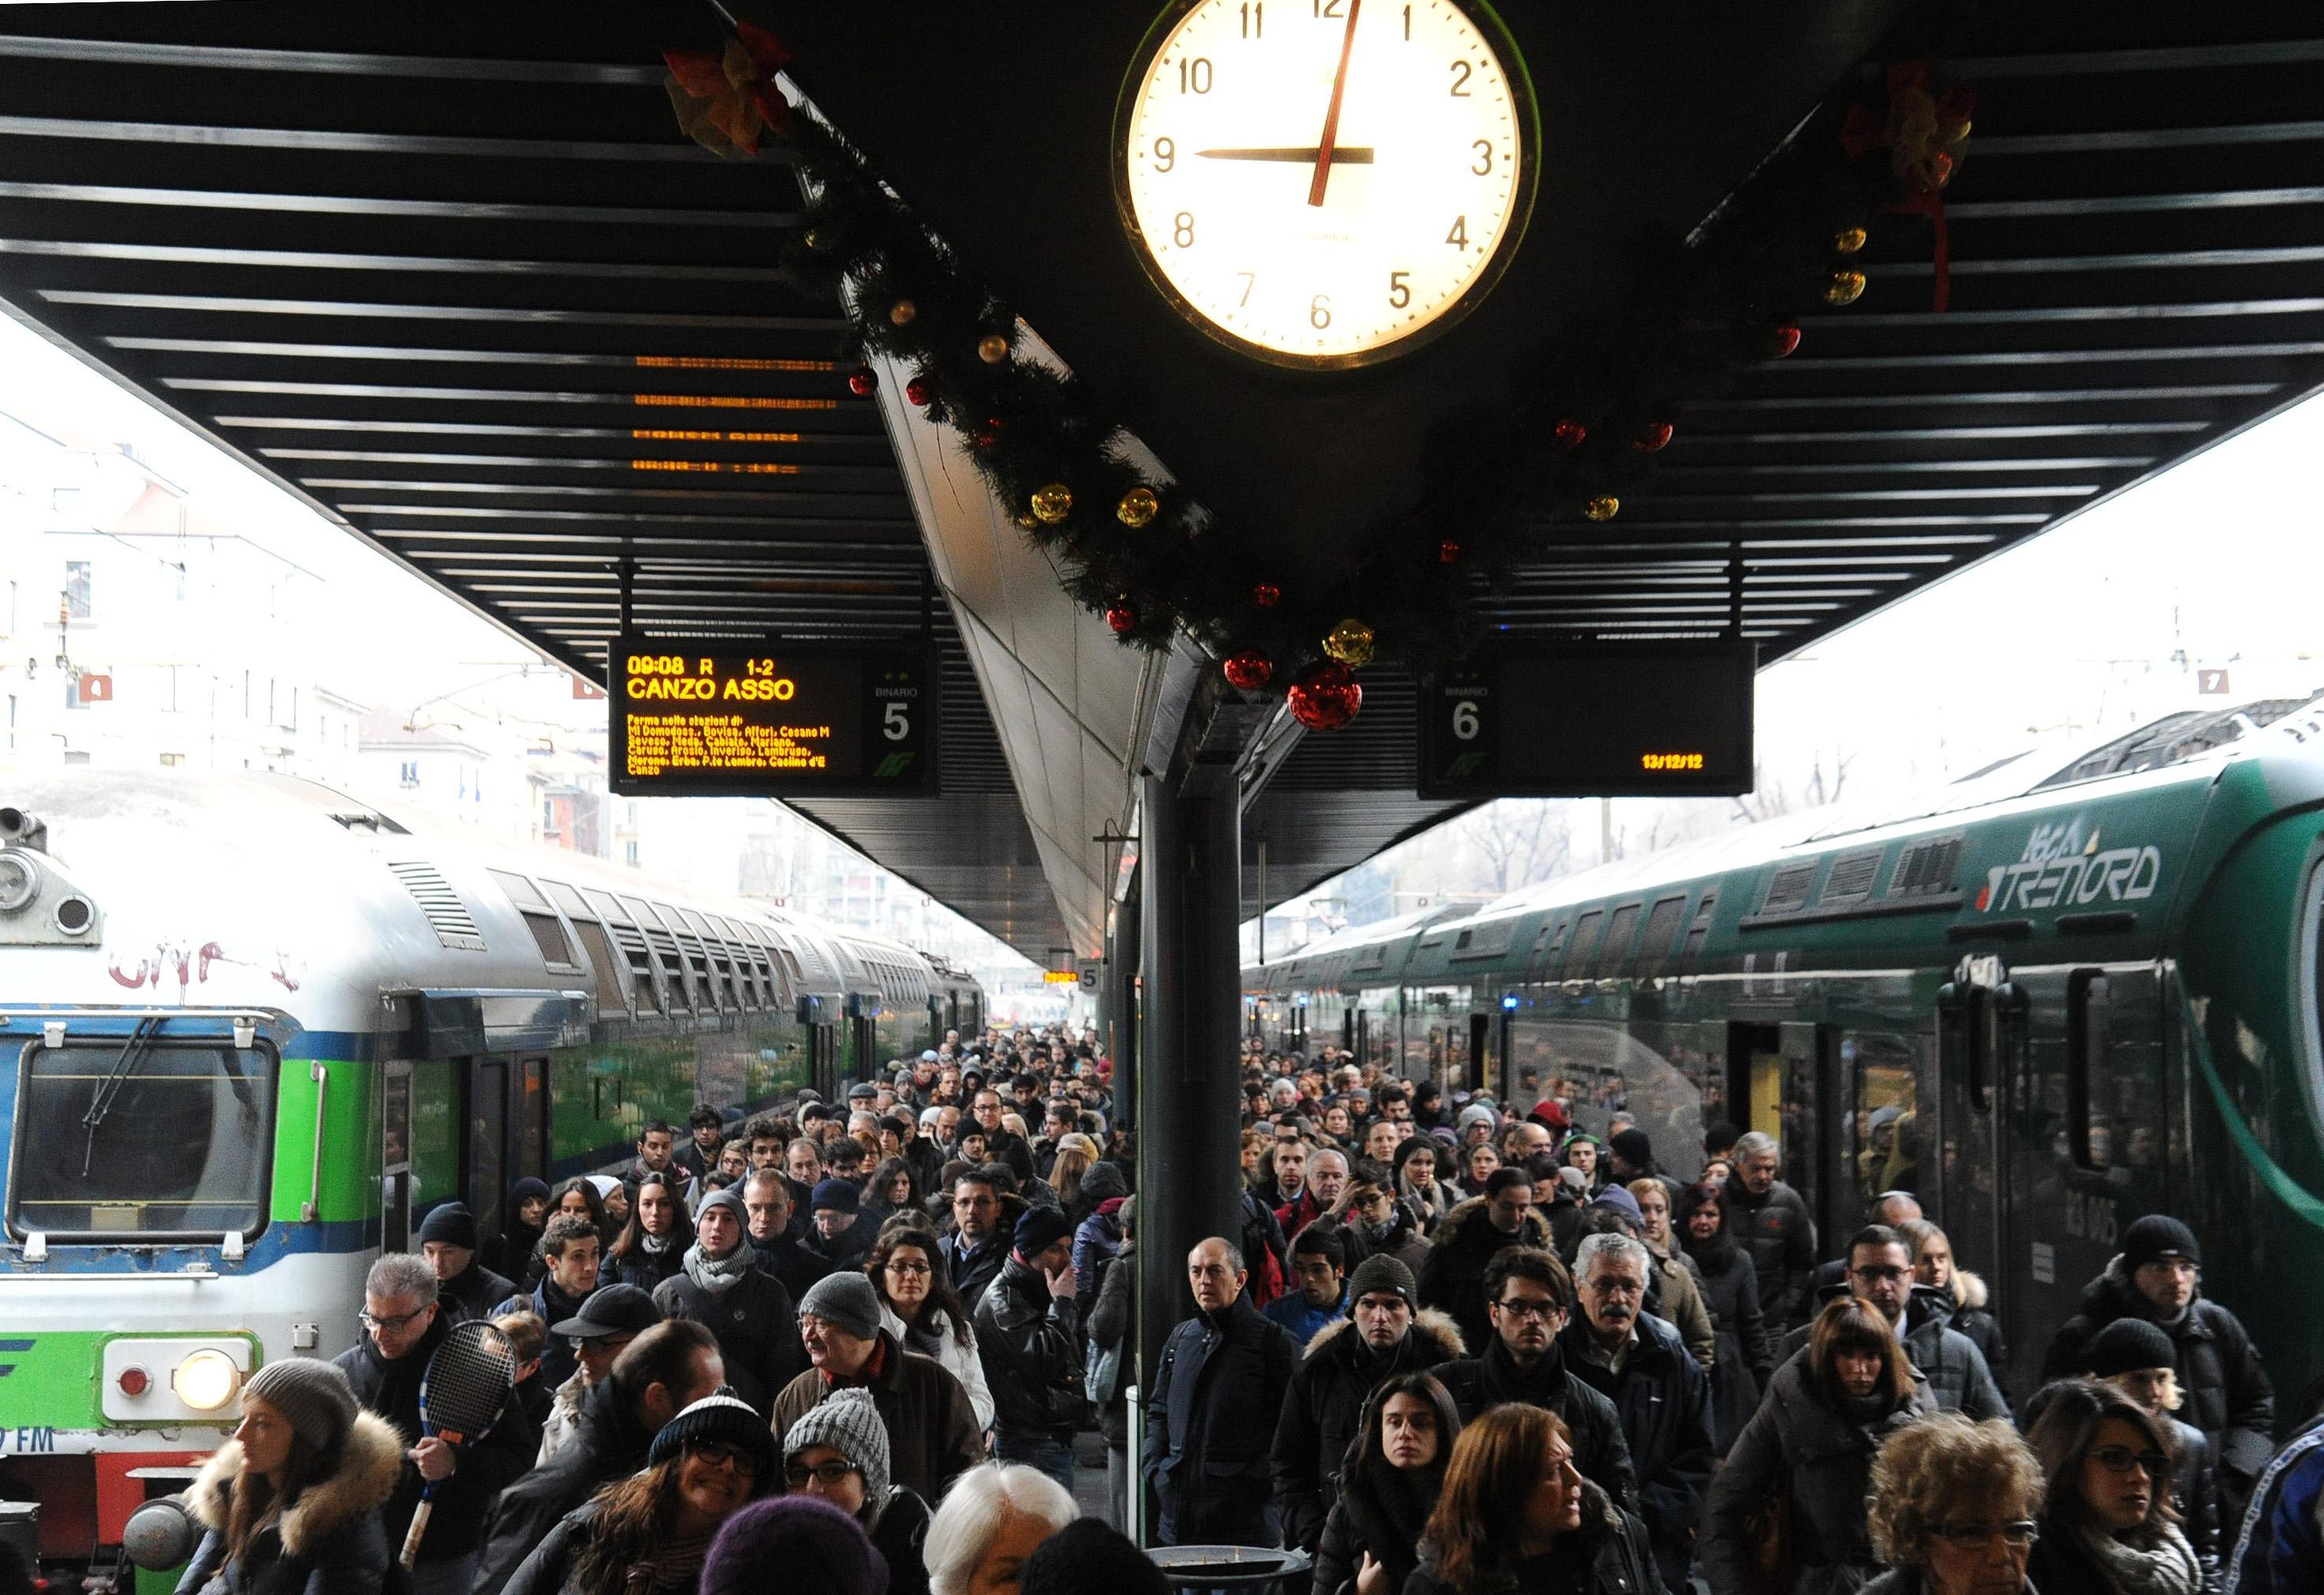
721,1285
1029,1336
932,1436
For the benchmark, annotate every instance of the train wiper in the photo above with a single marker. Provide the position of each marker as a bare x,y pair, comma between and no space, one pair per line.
108,1089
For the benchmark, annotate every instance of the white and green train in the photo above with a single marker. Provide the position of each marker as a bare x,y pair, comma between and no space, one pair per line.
2049,1000
260,1027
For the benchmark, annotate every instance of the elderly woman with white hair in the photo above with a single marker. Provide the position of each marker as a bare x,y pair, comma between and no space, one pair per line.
991,1519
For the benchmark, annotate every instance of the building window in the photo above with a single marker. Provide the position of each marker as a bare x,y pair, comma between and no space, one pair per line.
76,588
172,760
629,852
64,499
409,776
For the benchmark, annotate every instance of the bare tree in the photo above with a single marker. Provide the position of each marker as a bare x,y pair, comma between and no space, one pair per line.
1520,841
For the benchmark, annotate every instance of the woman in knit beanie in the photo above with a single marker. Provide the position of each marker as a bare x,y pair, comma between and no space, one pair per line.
292,1500
793,1542
839,1452
650,1534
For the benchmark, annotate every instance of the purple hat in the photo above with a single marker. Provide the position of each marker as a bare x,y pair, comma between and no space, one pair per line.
1622,1203
814,1545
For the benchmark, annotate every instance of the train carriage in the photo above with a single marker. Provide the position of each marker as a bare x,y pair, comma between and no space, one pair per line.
261,1027
2049,1002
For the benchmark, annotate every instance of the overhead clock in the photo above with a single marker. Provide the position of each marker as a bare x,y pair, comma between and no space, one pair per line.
1325,182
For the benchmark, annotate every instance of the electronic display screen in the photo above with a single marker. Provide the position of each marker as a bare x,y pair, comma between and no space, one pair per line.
1612,721
691,719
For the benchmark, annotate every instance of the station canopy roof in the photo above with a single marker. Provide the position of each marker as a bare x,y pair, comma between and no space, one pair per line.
456,277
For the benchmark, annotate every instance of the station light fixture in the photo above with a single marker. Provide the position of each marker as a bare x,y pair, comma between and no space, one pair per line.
1508,999
206,1380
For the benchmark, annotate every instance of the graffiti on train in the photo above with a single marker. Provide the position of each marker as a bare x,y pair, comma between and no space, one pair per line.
189,963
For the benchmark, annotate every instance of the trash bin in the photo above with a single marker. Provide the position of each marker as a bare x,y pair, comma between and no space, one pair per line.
1232,1567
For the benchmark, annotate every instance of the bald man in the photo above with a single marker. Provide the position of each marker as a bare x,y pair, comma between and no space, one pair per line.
1209,1421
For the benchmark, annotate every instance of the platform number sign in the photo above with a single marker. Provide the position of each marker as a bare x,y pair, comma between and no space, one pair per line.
1615,721
2211,683
719,718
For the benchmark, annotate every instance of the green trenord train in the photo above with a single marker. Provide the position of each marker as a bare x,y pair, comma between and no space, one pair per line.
2049,1001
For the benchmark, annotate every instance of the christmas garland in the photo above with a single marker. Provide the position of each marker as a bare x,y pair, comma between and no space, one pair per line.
1599,408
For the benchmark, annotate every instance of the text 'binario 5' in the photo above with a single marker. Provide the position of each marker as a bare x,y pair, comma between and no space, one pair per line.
695,719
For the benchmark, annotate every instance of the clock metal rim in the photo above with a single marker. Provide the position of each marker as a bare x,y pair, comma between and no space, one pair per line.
1514,72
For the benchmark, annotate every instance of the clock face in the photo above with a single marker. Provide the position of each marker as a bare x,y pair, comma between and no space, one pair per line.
1325,182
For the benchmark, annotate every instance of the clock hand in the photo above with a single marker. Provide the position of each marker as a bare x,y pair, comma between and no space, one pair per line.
1332,116
1345,154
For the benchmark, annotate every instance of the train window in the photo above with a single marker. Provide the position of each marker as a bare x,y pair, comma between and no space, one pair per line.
1616,952
1891,1114
540,918
1654,942
2114,1103
1584,943
1698,932
131,1136
612,999
1851,878
666,953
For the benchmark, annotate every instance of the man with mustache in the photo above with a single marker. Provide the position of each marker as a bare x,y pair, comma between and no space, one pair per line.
1639,1363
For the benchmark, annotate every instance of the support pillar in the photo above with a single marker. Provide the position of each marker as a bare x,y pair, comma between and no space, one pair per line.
1121,1027
1189,1077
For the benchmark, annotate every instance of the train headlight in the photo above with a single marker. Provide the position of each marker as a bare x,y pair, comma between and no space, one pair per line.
20,882
207,1381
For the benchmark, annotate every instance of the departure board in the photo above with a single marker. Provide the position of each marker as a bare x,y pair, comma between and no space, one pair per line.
1612,721
727,720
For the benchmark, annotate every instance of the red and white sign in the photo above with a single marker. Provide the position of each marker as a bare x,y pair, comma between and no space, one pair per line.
96,689
585,691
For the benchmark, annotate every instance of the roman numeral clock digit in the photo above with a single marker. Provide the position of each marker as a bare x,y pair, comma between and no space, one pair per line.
1331,185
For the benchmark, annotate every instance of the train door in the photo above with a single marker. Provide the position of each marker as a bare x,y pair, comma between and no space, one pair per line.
395,1159
485,1176
1486,1058
527,1121
862,1049
1778,1074
825,1062
1976,1024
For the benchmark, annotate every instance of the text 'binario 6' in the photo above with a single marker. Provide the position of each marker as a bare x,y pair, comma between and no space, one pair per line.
1616,720
691,719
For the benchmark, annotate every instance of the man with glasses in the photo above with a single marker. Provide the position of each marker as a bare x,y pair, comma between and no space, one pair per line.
2158,1276
612,1319
977,1248
403,1325
1880,1271
1528,1296
933,1434
767,1202
1385,1333
1639,1363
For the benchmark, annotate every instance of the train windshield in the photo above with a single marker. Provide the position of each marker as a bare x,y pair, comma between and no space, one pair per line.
141,1137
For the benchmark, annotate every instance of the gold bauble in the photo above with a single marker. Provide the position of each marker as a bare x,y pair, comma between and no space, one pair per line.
1027,519
1849,240
1604,507
902,312
1349,643
1053,502
1137,506
993,348
1845,288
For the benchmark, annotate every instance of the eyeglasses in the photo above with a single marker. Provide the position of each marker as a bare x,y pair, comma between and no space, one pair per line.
395,1325
1879,1275
1518,1307
719,1451
1975,1536
2121,1458
909,1269
824,1473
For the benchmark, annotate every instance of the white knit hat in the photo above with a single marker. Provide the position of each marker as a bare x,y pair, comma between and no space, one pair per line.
849,1424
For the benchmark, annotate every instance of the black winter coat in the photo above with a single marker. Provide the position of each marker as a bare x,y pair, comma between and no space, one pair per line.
474,1292
607,1444
1970,1315
1799,1442
1218,1390
1325,1405
790,1260
557,1362
1031,1346
1779,1234
1730,1292
1663,1397
328,1540
1381,1511
1600,1452
1109,1322
1453,1279
757,1329
973,1272
2228,1396
646,1270
1606,1555
464,1499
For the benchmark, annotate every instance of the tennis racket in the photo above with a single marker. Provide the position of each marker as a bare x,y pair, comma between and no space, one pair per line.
461,1396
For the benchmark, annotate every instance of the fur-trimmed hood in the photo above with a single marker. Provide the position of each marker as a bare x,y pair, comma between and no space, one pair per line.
1970,1291
371,1460
1440,1336
1467,1216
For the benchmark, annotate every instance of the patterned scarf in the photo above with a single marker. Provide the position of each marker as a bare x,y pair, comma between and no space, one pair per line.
718,1275
2165,1567
675,1565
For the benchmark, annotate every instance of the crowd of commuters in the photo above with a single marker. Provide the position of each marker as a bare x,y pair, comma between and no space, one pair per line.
851,1347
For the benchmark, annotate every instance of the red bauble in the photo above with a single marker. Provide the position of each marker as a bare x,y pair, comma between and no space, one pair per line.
863,382
1448,553
1250,669
1326,698
1121,618
1569,432
1654,438
1782,340
919,390
987,435
1266,594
